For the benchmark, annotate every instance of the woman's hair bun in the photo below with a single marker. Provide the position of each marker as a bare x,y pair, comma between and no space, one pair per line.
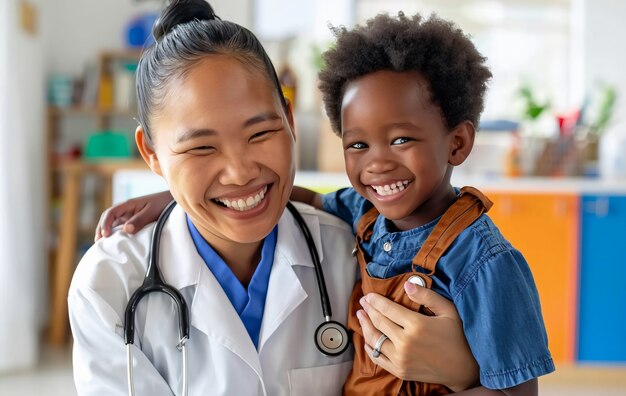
178,12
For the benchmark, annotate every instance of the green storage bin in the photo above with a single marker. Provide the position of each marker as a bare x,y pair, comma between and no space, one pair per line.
107,145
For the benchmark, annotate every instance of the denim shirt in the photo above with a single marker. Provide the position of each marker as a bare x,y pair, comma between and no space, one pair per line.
488,280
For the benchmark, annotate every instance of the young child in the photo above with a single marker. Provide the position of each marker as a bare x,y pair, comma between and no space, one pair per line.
405,94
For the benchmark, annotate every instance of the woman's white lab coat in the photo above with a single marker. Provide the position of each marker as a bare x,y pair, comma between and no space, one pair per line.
222,358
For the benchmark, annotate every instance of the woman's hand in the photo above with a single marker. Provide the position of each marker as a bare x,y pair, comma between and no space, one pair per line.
422,348
134,214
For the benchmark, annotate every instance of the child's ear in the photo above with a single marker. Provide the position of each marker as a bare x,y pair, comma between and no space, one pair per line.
461,142
146,150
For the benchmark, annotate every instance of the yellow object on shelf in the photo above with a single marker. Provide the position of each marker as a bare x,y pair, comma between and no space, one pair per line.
105,92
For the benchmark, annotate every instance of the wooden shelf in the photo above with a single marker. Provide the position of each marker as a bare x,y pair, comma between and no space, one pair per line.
104,167
73,173
56,111
65,177
122,54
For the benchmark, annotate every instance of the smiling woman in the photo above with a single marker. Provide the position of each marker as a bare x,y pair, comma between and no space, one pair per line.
215,126
236,150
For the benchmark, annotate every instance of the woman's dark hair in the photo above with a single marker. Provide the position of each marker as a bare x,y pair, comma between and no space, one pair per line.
435,48
187,31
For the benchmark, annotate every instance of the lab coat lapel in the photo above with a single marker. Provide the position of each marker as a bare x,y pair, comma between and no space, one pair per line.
285,293
285,290
213,314
211,311
178,247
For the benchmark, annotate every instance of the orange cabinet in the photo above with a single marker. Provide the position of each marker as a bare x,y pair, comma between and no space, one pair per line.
544,227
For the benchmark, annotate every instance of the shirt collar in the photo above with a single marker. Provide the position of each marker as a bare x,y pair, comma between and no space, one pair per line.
412,239
236,292
178,247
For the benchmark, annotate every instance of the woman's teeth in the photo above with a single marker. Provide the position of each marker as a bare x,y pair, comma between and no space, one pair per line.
243,204
391,189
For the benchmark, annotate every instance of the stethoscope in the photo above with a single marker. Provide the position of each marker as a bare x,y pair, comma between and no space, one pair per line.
331,337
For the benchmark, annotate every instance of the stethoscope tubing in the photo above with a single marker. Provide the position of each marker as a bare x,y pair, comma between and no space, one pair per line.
154,283
331,337
321,284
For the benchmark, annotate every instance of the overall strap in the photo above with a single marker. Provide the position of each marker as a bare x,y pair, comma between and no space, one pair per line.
469,206
364,226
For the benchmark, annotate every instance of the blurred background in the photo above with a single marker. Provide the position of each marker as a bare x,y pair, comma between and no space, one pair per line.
550,152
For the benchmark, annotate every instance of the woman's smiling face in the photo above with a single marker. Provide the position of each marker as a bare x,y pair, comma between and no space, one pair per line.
224,144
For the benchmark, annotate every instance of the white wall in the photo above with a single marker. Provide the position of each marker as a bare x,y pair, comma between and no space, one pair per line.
605,49
22,248
604,59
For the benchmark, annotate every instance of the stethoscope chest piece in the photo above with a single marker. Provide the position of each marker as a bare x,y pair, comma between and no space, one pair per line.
331,338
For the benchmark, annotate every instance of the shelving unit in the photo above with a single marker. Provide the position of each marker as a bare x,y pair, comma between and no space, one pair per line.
66,175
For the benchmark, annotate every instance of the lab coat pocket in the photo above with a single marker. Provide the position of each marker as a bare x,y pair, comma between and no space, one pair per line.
322,380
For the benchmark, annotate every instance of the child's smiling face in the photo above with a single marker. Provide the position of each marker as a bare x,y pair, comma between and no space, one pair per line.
399,153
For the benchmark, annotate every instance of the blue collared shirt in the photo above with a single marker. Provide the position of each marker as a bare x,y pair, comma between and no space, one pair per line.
488,280
250,303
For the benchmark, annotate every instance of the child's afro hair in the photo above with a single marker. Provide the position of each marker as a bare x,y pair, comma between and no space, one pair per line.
437,49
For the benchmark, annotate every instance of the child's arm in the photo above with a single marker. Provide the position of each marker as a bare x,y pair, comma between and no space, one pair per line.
301,194
133,214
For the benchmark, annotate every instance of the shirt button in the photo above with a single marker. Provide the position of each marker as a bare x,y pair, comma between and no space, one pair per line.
387,247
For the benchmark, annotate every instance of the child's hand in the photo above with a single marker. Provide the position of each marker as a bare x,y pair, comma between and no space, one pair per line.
310,197
134,214
419,348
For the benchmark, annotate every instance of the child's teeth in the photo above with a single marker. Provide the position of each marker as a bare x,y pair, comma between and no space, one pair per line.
250,201
391,189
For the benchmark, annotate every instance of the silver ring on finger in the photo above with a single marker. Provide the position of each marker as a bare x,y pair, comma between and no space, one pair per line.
378,345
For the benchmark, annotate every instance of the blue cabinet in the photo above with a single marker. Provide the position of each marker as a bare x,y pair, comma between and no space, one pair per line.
602,282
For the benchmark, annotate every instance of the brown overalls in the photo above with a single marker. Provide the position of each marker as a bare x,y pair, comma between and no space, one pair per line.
366,378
